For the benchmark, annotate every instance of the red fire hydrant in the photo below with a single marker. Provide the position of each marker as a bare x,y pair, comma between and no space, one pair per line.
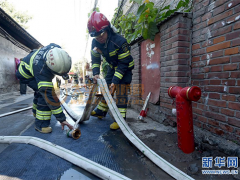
184,98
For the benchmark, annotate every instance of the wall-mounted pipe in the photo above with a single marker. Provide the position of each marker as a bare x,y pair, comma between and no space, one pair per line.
70,156
155,158
17,111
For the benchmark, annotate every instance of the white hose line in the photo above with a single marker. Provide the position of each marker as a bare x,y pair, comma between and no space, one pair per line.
70,112
17,111
87,109
163,164
70,156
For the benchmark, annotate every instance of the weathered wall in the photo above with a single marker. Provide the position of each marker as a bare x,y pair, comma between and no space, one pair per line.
136,86
174,65
150,69
8,51
215,66
175,59
135,94
203,51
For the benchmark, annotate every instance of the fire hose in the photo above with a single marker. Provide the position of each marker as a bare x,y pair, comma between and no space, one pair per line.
155,158
84,163
17,111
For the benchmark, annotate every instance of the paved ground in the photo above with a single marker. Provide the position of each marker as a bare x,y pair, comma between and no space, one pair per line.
98,143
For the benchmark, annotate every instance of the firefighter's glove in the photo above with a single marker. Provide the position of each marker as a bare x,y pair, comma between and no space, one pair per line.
67,124
95,78
112,88
65,76
97,50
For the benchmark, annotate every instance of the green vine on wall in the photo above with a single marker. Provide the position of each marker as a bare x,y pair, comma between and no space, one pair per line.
144,23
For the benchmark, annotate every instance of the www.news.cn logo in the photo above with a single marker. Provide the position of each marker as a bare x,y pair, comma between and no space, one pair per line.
229,162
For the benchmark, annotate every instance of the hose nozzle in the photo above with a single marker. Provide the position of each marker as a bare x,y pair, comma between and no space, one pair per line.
74,133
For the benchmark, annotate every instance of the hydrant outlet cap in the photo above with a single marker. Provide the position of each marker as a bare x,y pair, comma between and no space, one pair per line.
194,93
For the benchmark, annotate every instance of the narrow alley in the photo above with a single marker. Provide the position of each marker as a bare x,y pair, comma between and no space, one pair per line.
120,89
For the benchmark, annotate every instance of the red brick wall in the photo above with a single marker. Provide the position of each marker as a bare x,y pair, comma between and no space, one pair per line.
202,50
175,59
175,37
215,66
135,94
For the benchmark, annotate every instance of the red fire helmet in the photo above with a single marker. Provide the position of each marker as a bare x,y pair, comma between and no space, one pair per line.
97,23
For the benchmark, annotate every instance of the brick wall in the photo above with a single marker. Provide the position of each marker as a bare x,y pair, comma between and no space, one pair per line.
202,51
175,59
215,66
135,95
175,46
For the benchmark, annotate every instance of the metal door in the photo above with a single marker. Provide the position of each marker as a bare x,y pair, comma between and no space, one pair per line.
150,68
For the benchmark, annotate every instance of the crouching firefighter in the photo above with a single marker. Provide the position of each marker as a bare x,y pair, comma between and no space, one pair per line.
37,70
115,50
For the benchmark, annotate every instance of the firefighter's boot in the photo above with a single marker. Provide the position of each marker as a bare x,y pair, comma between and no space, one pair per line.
100,111
114,126
42,126
44,130
123,111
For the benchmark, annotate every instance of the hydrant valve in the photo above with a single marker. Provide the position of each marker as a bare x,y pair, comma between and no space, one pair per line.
184,98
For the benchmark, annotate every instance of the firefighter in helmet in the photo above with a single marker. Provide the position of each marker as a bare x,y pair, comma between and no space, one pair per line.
116,51
37,70
75,77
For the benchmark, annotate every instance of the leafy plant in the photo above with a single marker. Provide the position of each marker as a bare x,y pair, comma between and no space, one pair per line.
20,17
104,68
117,20
145,22
126,24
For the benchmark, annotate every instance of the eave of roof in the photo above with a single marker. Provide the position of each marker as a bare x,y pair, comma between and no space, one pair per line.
17,32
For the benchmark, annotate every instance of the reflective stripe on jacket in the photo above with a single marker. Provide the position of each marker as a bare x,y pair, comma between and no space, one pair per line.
34,66
116,51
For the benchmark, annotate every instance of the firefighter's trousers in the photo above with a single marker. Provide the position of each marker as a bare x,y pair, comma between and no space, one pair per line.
122,90
41,111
